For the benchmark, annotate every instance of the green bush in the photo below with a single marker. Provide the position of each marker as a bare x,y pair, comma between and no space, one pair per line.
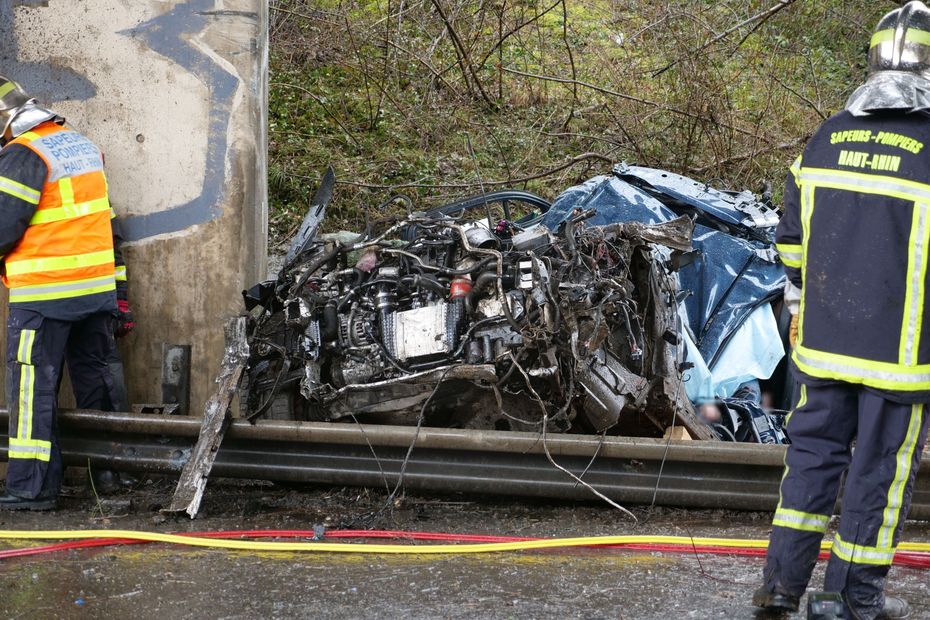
382,91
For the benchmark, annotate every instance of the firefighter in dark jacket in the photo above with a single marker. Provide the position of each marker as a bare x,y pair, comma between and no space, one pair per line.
67,287
855,240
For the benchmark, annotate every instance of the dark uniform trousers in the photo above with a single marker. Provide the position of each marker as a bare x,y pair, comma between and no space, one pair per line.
889,439
37,348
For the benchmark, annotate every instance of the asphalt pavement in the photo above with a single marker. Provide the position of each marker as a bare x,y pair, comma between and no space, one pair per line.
159,581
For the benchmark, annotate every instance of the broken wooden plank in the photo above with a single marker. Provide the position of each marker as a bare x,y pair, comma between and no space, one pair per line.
216,418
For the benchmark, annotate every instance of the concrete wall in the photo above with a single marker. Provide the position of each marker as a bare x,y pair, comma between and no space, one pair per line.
175,94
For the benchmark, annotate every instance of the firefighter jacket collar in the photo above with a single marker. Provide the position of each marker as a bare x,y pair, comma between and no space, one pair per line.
891,90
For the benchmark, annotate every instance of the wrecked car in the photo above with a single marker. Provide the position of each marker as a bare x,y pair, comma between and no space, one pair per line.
609,310
733,327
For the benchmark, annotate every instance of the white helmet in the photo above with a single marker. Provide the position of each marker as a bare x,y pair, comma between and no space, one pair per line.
18,111
899,64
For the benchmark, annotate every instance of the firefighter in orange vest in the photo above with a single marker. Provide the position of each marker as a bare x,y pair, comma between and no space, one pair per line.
61,268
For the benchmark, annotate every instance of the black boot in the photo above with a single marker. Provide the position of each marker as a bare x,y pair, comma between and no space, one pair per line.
775,601
12,502
895,609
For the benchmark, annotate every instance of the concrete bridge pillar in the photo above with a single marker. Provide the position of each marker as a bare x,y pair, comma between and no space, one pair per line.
175,93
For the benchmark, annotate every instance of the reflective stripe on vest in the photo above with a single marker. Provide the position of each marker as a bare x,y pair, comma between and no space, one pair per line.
881,375
58,263
916,276
71,211
63,290
910,191
72,206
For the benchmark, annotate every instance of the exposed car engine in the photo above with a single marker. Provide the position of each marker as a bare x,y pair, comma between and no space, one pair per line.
443,320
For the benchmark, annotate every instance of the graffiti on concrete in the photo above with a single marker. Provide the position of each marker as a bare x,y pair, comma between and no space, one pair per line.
169,35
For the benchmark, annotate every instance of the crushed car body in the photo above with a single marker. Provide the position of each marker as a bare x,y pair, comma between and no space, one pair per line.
584,316
732,335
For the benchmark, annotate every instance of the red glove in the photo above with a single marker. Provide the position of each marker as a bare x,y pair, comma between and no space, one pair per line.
124,322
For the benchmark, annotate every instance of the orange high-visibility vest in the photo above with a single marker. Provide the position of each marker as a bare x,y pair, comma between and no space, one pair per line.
67,250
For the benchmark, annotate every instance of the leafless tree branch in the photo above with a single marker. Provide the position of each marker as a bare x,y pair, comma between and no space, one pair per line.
763,16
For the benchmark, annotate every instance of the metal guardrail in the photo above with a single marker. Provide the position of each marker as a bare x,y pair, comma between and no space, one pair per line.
694,474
